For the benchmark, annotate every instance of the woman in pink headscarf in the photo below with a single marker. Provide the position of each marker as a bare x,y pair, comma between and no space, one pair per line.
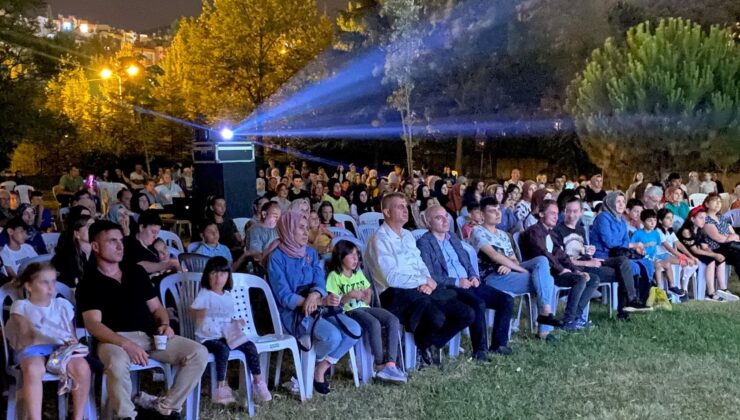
299,285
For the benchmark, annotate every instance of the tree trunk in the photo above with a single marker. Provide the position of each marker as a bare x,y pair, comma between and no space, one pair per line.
459,153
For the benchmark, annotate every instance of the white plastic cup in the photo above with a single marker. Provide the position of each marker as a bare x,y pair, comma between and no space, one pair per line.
160,342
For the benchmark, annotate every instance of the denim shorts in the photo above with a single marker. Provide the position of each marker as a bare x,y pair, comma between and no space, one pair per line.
39,350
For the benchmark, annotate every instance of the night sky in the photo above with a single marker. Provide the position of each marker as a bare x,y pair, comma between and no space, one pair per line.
142,15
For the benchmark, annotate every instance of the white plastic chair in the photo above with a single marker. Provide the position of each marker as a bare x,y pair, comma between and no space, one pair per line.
278,341
734,216
364,232
192,246
8,291
50,240
460,223
340,232
40,258
418,233
171,239
241,223
184,287
358,243
23,193
8,186
106,410
371,218
696,199
451,223
344,219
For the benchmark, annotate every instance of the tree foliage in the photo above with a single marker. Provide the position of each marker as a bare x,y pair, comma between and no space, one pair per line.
237,53
667,97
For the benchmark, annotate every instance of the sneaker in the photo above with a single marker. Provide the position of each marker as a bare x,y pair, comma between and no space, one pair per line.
586,325
224,396
292,386
714,298
572,326
260,393
398,374
726,295
676,291
637,306
392,374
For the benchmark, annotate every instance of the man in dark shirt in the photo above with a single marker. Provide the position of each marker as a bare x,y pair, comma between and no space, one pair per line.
595,190
540,240
121,310
297,190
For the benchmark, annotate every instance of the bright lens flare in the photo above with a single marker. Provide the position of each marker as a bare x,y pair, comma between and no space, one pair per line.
106,73
132,70
227,134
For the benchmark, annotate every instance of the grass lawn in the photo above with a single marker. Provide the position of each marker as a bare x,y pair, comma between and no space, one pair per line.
679,364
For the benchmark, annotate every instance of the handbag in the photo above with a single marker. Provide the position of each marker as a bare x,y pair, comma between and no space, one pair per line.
233,334
624,252
57,364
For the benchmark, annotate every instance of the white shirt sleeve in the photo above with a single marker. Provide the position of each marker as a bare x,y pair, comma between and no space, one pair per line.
394,267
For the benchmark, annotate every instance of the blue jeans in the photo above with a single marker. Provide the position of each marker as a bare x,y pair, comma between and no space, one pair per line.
330,341
539,281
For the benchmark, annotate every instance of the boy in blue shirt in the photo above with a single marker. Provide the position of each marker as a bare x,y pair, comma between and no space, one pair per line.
648,236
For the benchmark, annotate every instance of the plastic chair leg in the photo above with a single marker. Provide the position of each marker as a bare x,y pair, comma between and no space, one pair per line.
455,345
308,365
278,366
353,366
409,351
299,371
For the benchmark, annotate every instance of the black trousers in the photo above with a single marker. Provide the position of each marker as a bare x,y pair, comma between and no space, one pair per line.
486,297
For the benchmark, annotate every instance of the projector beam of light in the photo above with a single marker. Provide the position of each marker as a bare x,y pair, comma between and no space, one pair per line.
300,155
360,79
441,130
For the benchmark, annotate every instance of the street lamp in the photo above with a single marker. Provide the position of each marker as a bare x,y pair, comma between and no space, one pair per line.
132,70
106,74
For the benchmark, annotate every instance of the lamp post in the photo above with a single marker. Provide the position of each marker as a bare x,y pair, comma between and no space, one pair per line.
132,71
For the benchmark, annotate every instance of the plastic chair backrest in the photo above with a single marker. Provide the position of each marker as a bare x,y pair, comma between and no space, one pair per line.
677,222
358,243
171,239
734,216
63,213
40,258
194,263
51,240
515,244
473,257
183,287
192,246
242,284
364,232
587,218
418,233
696,199
240,223
23,191
451,222
460,223
371,218
340,232
344,219
11,292
8,186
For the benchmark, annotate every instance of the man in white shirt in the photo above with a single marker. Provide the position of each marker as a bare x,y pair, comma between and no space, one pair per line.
434,314
17,250
138,178
168,189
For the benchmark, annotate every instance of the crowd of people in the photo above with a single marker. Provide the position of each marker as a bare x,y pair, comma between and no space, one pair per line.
447,250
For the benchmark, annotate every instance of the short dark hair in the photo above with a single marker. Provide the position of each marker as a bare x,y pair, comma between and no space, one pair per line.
121,192
473,206
547,203
648,214
632,202
573,199
297,176
79,194
205,223
101,226
149,218
488,201
341,250
217,264
15,223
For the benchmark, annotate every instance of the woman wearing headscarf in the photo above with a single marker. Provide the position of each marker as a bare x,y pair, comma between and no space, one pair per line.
118,213
440,192
610,238
298,283
361,203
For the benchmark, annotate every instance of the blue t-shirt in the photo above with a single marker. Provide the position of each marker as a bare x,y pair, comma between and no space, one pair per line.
650,240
